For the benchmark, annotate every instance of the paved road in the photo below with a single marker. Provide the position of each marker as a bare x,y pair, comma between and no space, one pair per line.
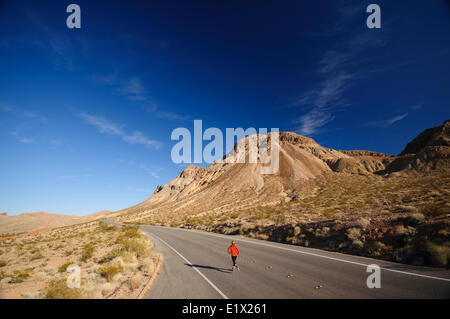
196,265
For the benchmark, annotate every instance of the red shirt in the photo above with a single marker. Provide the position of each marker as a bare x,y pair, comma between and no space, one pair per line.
234,250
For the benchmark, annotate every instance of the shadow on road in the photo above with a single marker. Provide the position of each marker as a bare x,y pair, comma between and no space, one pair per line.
210,267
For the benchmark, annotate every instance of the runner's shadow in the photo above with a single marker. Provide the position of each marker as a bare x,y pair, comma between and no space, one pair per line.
210,267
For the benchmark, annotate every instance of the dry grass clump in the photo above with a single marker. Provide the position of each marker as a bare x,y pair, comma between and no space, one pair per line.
134,241
353,233
431,209
19,276
63,267
362,223
58,289
111,270
36,256
439,254
88,251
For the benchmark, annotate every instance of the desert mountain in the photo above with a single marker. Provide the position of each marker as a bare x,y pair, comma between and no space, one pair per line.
438,136
429,152
28,222
230,187
301,158
41,221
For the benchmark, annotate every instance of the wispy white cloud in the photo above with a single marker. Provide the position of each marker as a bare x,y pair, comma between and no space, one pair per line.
21,139
134,90
396,119
139,138
152,108
323,101
56,41
336,73
392,120
18,112
387,122
171,116
67,176
102,124
107,127
25,140
152,170
311,121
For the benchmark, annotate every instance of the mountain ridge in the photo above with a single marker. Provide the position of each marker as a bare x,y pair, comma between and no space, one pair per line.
303,157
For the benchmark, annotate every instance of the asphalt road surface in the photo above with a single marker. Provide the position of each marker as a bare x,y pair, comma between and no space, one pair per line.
196,265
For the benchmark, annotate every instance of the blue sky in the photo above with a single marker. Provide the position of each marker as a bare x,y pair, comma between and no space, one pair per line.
86,114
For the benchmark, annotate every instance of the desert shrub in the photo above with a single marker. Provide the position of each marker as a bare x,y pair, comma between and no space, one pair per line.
106,227
330,212
362,223
135,246
438,255
417,217
353,233
58,289
68,252
386,212
116,252
110,271
359,205
433,210
36,256
20,276
292,240
64,266
376,249
88,251
280,219
132,240
357,243
2,263
407,208
132,232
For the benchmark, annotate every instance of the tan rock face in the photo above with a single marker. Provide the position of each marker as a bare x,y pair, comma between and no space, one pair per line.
299,158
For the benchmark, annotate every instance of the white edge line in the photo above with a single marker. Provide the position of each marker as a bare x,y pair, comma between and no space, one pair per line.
312,254
195,268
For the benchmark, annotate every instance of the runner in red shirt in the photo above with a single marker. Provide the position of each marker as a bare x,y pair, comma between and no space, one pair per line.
234,251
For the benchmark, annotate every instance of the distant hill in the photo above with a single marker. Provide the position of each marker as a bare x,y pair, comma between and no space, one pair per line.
29,222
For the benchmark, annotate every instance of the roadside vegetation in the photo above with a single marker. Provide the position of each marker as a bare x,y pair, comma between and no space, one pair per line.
403,219
115,262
